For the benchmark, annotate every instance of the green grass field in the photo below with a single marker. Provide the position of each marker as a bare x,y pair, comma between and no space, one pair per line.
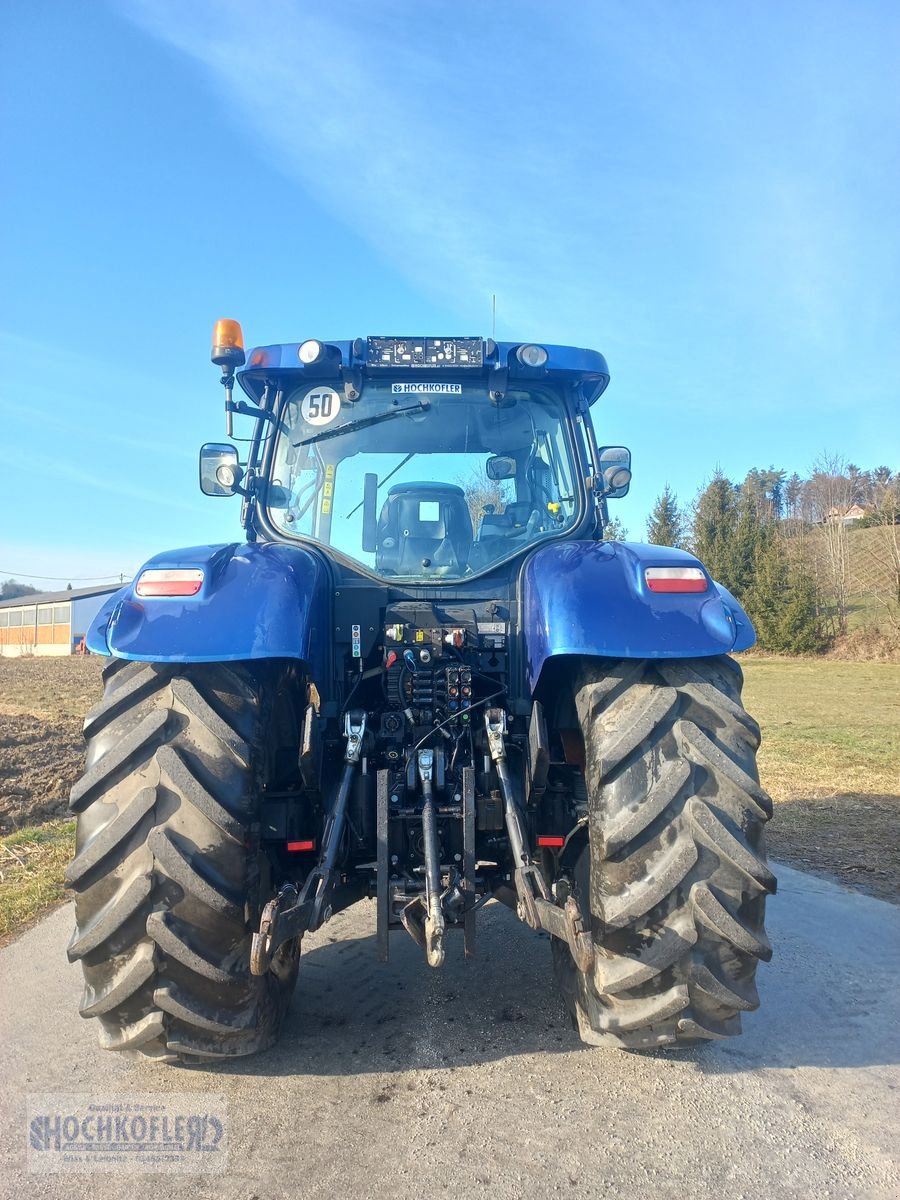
831,759
32,862
827,726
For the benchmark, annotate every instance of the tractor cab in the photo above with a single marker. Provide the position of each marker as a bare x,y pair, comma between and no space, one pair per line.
424,459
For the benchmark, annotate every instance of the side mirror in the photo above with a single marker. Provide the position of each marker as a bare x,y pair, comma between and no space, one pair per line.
220,471
501,466
615,471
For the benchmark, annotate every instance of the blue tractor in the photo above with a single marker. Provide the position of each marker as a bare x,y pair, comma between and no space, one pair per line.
425,678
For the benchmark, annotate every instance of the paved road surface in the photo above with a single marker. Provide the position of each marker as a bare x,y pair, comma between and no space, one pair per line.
395,1081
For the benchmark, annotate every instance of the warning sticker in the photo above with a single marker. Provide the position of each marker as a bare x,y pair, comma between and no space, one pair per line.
445,389
320,406
328,489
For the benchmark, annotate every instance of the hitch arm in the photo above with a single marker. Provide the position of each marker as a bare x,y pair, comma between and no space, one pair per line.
325,874
293,912
530,884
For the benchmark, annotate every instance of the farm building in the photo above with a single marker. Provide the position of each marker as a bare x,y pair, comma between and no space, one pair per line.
49,622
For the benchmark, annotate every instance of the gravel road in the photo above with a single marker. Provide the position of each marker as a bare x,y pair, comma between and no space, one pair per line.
395,1081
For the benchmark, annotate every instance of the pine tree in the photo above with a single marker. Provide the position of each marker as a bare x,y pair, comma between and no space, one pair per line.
781,600
737,535
614,530
665,525
793,493
713,529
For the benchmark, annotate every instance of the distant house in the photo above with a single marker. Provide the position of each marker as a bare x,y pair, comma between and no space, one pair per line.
49,622
845,516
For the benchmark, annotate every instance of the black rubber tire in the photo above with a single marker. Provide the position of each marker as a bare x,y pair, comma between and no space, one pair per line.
674,868
167,870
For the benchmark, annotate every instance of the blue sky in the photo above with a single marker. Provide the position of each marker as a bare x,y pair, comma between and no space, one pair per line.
705,191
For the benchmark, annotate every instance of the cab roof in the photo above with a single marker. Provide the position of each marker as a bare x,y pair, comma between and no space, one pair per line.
488,360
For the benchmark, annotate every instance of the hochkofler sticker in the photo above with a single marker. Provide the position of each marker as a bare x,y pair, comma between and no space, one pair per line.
443,389
171,1132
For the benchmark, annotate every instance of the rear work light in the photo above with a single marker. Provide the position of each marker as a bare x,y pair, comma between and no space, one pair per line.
532,356
676,579
158,582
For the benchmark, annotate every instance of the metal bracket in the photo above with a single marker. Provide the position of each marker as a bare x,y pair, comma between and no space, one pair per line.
354,732
284,917
567,924
468,799
249,410
383,882
353,383
495,727
498,381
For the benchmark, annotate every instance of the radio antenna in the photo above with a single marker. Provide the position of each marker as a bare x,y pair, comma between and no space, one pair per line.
493,316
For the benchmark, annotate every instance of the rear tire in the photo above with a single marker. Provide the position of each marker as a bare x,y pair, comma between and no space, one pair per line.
167,869
673,871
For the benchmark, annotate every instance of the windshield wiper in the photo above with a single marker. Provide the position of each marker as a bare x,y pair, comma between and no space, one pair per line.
363,423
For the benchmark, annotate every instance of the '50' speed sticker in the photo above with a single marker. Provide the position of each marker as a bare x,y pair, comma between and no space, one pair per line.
320,406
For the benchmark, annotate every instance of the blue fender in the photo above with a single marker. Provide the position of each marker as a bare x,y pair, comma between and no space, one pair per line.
259,600
592,598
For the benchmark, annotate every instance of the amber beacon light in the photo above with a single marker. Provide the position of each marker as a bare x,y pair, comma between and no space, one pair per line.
228,344
228,353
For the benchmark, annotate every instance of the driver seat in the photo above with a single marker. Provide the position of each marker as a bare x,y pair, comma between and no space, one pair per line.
422,522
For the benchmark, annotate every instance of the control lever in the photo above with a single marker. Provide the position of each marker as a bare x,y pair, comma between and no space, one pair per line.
530,883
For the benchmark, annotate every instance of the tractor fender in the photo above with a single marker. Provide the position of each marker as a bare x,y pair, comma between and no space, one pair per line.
258,600
592,598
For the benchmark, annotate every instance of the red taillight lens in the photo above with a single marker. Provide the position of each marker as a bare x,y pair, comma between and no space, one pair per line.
157,582
308,844
550,840
676,579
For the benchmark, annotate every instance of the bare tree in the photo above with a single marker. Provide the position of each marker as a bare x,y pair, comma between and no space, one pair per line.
828,497
886,543
482,495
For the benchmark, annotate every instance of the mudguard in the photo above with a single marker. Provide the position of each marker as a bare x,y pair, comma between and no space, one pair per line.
258,600
592,598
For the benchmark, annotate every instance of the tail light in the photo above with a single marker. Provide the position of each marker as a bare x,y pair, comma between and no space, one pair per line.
676,579
159,582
